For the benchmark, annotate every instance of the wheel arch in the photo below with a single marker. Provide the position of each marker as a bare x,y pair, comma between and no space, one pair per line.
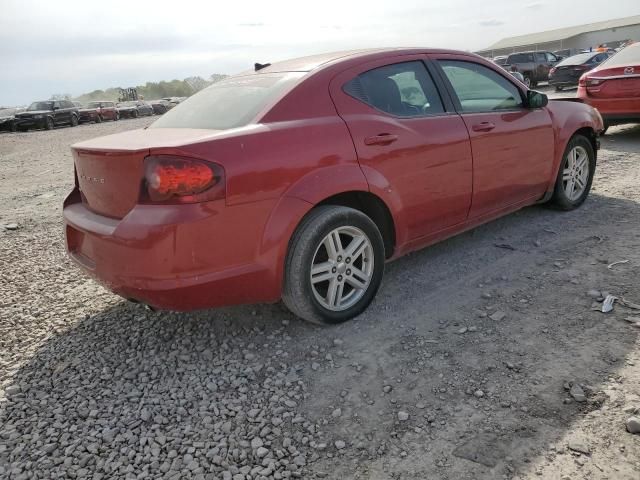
373,207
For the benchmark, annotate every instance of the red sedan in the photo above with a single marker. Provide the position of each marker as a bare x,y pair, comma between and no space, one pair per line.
613,87
299,180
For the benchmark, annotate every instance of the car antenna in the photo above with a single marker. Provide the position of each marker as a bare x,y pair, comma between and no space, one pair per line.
259,66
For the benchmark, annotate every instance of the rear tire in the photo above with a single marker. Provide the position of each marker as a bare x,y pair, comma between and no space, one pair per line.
98,119
345,249
134,114
74,120
575,174
48,124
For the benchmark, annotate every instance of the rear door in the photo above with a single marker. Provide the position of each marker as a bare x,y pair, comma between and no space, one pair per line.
409,141
58,113
513,146
542,66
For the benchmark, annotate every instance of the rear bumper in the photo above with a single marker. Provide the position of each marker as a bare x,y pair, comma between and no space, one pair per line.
563,82
620,110
175,257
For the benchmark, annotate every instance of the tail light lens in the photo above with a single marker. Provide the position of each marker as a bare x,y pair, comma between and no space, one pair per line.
172,179
590,82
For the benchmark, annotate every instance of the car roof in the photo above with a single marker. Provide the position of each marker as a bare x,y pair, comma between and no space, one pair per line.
316,62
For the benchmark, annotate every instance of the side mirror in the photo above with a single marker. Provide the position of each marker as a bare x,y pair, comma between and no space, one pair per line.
536,99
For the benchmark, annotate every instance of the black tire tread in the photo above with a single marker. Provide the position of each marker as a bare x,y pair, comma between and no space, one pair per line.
293,292
559,200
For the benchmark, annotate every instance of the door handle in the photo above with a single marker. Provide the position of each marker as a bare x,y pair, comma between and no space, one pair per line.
382,139
483,127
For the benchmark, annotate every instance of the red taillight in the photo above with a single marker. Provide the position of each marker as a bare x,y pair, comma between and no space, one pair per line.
590,82
170,179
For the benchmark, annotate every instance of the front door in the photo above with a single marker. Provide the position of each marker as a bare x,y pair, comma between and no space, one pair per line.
408,142
513,145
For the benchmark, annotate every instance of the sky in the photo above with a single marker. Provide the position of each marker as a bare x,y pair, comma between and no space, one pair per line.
77,46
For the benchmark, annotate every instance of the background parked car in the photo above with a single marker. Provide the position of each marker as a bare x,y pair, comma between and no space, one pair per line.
134,109
534,66
173,101
613,87
98,111
500,60
47,114
567,72
7,117
160,106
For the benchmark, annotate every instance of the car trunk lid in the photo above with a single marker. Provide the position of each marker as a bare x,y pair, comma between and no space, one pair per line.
110,170
614,82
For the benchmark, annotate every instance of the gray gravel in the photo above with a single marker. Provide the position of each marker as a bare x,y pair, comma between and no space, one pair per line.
463,367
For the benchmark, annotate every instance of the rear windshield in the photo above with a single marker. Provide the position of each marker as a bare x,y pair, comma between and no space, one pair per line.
576,59
628,56
228,104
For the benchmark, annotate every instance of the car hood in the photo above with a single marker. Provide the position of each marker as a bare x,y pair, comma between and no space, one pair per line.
32,112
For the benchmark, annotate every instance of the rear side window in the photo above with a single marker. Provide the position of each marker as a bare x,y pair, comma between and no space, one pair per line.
230,103
628,56
480,89
402,89
521,58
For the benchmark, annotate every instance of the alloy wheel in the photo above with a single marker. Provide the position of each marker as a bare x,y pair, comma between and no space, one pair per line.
342,268
575,173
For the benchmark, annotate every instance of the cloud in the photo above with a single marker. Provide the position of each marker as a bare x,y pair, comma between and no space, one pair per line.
534,5
494,22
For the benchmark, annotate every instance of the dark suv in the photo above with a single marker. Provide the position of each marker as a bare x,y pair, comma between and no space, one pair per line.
534,66
47,114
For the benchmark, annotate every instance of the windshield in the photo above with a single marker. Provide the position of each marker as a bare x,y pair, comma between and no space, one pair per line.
40,106
230,103
577,59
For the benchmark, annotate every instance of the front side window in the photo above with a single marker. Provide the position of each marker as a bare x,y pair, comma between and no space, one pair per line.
402,89
551,57
480,89
540,57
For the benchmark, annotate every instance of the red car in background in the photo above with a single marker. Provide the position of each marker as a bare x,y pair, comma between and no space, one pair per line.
613,87
299,180
98,111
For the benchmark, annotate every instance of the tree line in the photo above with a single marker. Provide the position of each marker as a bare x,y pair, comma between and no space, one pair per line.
150,90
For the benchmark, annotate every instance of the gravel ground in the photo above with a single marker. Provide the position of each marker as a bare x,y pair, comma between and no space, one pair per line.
481,358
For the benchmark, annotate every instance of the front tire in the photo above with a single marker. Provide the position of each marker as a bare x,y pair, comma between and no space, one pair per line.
74,120
98,119
334,266
575,174
48,123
